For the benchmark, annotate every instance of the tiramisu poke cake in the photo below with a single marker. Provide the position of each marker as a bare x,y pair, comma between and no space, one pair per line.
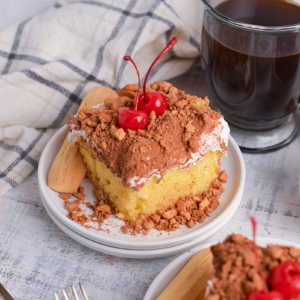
237,275
154,153
238,269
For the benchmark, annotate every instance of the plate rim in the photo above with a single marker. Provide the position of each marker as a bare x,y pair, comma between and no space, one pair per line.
188,255
134,253
133,244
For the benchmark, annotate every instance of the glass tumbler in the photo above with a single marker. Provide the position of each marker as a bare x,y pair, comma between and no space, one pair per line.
252,74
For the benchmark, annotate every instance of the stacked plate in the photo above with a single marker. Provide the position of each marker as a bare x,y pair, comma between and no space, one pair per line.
111,241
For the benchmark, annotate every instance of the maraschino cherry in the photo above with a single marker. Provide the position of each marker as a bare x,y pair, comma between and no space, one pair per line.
266,294
152,100
270,295
286,279
132,118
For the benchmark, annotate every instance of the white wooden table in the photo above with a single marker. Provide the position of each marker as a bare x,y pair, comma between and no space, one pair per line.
37,258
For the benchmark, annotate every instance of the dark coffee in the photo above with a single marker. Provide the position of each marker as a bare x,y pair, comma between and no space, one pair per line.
253,78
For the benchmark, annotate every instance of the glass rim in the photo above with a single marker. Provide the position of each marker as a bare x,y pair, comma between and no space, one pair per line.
251,27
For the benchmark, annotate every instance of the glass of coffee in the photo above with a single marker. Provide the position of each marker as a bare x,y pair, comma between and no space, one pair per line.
251,64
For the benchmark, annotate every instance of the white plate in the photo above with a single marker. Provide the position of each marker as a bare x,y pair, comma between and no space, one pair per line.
233,164
165,277
128,253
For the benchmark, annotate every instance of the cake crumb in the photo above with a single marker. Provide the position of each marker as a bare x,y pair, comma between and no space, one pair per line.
104,208
80,196
169,214
65,196
181,206
148,225
119,134
223,176
214,204
156,218
73,206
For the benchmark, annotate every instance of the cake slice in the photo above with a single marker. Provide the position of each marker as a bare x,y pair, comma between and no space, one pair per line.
148,171
228,270
236,271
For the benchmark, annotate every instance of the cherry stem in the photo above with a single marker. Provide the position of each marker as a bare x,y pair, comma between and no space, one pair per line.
127,57
169,46
253,221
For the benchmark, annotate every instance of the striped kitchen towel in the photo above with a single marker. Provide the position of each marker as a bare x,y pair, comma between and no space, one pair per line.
48,63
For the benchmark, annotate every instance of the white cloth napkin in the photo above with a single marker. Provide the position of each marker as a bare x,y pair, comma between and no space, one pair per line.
48,64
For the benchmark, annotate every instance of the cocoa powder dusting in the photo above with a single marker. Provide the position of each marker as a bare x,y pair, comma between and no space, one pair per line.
236,272
168,142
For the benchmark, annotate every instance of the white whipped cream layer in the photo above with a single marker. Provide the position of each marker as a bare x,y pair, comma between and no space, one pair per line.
211,141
